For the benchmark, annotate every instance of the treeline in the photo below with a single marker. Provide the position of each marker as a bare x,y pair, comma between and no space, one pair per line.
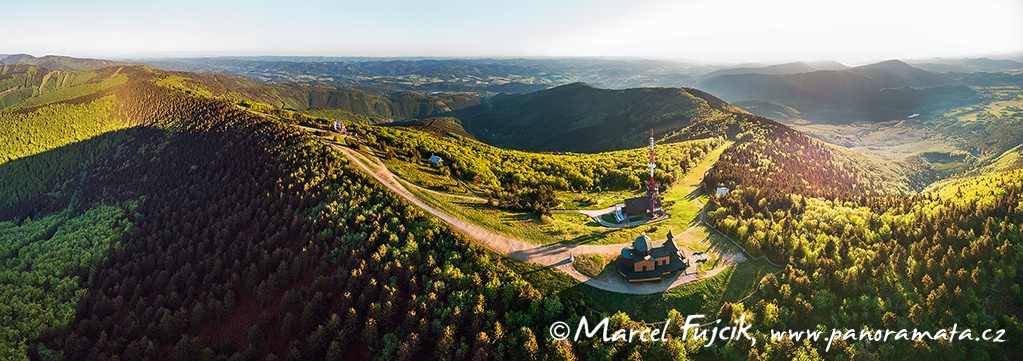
28,129
858,256
774,161
18,82
23,136
75,108
26,86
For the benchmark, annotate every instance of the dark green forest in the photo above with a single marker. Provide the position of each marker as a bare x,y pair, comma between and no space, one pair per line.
209,232
858,255
327,99
581,118
147,215
246,229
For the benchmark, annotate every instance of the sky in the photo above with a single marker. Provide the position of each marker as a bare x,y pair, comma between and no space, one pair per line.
721,31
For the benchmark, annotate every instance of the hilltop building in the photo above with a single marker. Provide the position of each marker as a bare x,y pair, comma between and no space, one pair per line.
339,128
649,204
642,261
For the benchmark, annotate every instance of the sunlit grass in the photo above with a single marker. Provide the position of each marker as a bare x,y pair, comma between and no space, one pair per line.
704,296
591,264
578,228
524,226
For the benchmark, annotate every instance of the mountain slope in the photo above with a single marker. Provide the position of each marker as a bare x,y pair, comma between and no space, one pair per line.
840,253
768,109
445,126
896,73
57,62
495,169
328,99
580,118
19,83
203,230
875,92
780,161
208,230
968,65
777,69
46,117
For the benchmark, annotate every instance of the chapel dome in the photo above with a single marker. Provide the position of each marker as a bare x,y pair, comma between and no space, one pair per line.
642,244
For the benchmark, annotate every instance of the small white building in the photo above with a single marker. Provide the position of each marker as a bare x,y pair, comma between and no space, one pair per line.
339,127
436,160
721,191
619,214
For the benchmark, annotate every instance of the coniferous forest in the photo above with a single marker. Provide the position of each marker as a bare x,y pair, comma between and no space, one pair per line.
145,217
858,256
240,230
209,232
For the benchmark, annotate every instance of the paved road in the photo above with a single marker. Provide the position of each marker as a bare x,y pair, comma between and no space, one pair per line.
595,215
555,256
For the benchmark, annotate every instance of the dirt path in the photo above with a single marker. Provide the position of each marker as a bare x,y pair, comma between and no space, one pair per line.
428,190
595,215
496,242
13,88
445,194
555,256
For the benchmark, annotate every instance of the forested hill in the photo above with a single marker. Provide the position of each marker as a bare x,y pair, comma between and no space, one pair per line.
947,256
859,254
776,161
581,118
148,215
56,62
362,105
21,78
875,92
204,231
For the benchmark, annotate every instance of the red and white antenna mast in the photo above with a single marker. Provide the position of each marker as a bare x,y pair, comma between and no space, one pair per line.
652,165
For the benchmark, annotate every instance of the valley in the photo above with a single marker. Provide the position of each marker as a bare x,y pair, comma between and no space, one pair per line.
948,142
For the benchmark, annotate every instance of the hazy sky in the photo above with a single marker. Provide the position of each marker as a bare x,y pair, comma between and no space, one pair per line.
712,31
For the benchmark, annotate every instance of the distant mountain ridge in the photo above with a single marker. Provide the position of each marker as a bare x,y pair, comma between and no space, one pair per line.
57,62
881,91
967,65
780,69
332,100
581,118
896,73
438,74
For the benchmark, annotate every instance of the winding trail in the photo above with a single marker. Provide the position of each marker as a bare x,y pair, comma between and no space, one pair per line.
428,190
555,255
